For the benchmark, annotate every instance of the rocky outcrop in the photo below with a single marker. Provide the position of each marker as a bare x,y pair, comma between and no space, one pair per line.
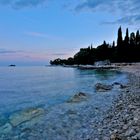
5,129
26,115
102,87
119,85
99,87
78,97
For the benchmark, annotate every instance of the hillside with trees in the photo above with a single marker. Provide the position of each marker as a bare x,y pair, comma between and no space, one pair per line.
126,49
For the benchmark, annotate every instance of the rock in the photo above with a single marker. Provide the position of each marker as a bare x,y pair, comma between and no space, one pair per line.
119,85
25,115
125,127
116,83
136,119
71,112
102,87
16,138
5,128
115,137
136,137
3,120
130,132
123,86
78,97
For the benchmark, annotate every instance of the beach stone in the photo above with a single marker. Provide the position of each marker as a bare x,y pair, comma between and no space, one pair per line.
125,127
116,83
71,112
130,132
78,97
136,137
15,138
119,85
2,120
25,115
123,86
103,87
5,128
115,137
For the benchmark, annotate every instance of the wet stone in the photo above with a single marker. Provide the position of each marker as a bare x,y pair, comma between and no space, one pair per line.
6,128
25,115
102,87
78,97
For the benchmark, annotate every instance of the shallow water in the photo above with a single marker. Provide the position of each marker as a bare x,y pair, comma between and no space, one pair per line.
49,88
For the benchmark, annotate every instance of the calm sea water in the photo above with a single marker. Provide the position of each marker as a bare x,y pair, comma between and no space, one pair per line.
48,87
22,87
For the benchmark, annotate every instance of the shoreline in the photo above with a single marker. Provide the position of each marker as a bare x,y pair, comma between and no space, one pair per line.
112,66
84,119
122,121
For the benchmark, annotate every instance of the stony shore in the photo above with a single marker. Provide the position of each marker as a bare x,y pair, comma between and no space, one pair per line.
122,121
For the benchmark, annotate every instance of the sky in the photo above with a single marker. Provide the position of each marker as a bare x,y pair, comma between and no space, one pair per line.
33,32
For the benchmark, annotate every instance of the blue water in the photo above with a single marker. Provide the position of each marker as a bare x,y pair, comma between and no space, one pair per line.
49,88
22,87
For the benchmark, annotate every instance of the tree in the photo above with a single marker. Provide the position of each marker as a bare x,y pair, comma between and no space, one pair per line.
104,43
120,39
91,47
137,38
126,40
125,51
113,44
120,49
132,39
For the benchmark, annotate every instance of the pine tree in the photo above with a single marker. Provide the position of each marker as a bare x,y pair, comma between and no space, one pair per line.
126,40
104,43
132,39
91,47
113,44
137,38
120,39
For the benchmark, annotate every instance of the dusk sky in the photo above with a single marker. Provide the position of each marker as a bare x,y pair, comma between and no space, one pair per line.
34,31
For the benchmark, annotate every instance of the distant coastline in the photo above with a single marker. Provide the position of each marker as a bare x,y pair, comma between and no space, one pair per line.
126,50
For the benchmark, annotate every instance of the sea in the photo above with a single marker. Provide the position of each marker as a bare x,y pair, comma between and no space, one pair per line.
34,101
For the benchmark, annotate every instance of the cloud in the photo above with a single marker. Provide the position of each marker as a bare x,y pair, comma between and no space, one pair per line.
7,54
90,4
4,51
59,54
18,4
131,20
127,10
109,5
37,34
43,35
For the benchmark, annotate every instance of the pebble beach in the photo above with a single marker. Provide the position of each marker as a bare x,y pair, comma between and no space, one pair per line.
122,121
